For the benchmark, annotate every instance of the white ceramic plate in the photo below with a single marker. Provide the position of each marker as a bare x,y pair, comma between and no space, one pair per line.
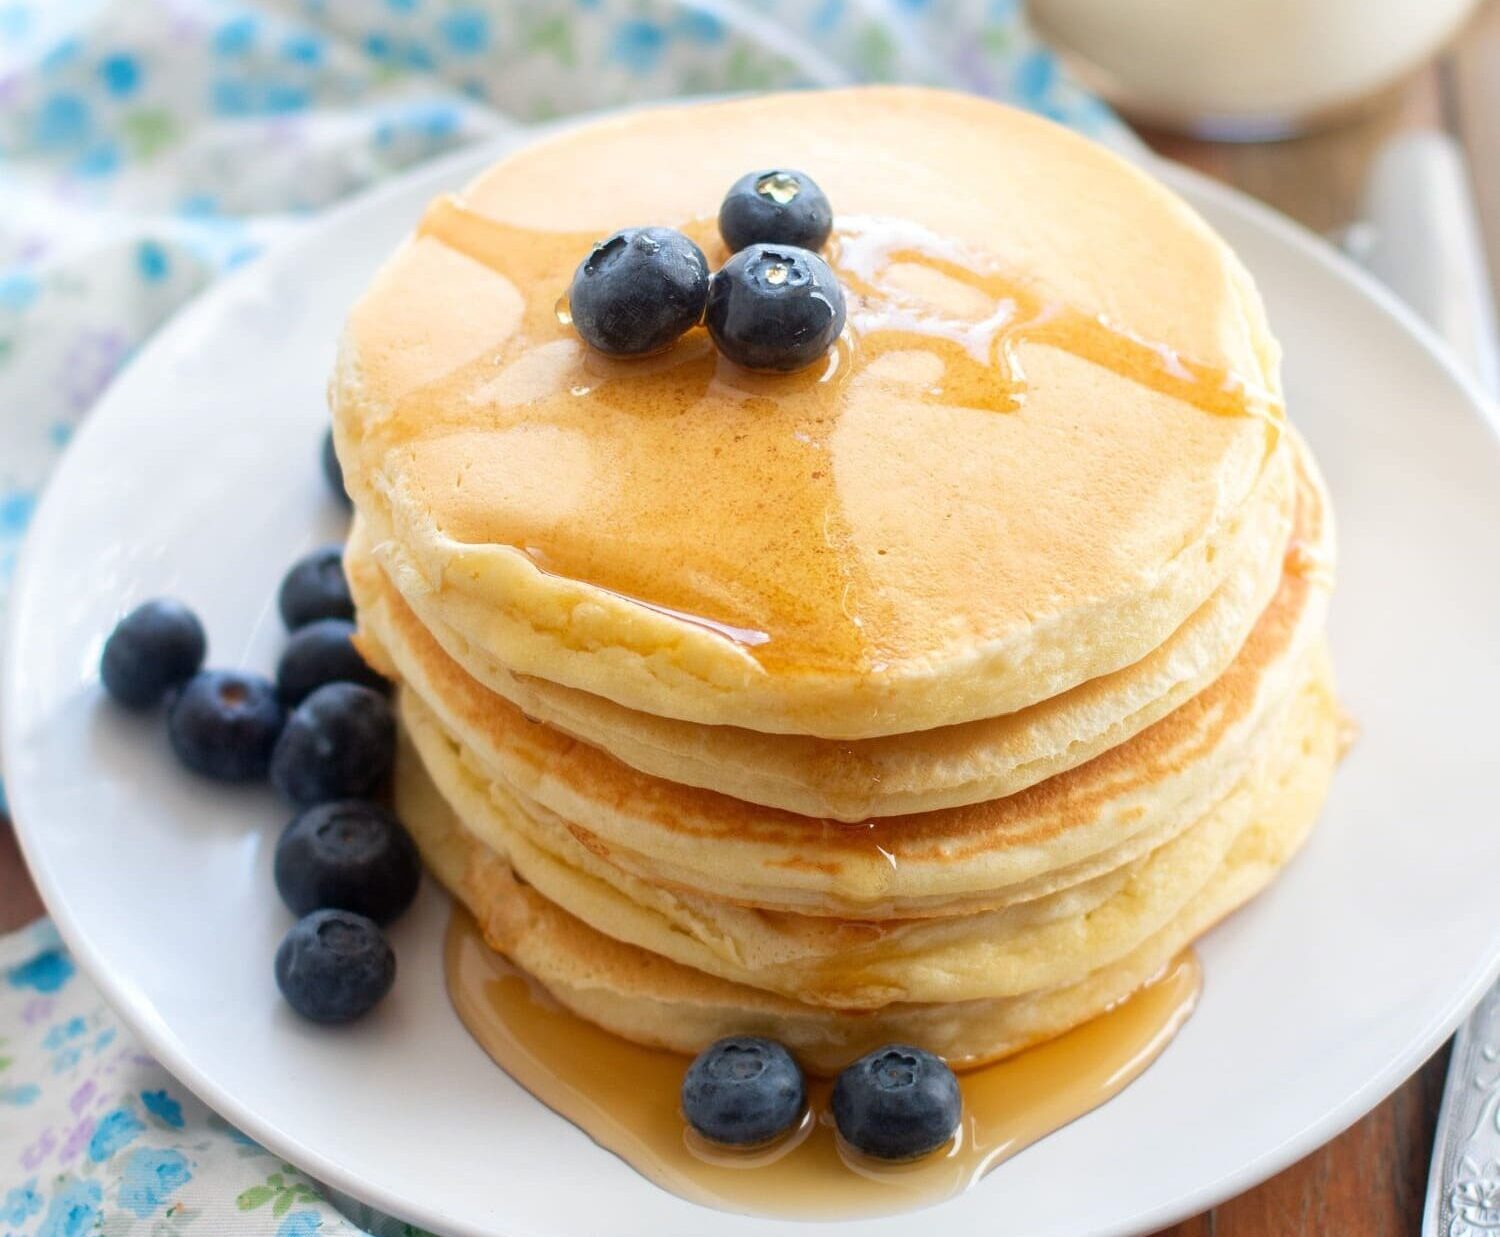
197,476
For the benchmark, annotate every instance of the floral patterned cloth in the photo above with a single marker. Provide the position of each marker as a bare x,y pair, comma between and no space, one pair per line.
147,146
97,1140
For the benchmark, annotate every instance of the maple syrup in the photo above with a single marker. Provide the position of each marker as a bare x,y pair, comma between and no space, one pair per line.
1309,562
625,1096
756,505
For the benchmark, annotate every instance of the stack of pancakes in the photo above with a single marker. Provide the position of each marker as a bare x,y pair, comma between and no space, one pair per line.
940,693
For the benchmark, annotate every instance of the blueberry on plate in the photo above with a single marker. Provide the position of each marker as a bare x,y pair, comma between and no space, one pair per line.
224,724
315,588
350,855
897,1103
638,290
157,646
774,307
333,470
323,652
743,1091
334,966
779,206
337,744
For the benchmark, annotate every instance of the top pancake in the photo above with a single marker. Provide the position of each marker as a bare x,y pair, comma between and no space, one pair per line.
1053,410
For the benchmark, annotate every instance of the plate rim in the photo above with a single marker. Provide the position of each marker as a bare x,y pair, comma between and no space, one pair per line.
163,1044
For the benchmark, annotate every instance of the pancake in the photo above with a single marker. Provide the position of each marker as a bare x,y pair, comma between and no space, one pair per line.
941,692
1045,942
1077,825
652,1000
1053,422
893,775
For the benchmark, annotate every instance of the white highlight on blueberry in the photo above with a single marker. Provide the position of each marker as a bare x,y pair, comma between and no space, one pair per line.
779,187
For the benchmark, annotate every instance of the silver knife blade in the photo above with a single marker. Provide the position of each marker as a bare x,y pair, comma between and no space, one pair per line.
1463,1187
1420,235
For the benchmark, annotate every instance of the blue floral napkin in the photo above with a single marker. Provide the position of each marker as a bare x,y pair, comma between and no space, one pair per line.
147,146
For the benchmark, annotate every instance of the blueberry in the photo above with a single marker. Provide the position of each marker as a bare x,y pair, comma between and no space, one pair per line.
337,744
152,649
350,855
743,1090
334,966
224,724
323,652
333,470
638,291
315,588
779,206
774,307
897,1103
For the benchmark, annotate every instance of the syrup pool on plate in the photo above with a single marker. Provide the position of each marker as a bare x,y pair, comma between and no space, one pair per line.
625,1096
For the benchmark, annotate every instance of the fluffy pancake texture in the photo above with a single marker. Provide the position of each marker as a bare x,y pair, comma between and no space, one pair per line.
1044,942
652,999
940,693
827,553
854,780
1081,822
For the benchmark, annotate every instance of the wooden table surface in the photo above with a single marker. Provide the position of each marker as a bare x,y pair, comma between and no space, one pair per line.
1371,1180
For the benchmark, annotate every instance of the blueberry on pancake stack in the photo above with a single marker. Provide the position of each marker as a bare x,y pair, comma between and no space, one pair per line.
931,672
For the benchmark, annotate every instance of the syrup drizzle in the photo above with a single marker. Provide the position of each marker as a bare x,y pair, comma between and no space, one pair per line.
983,351
624,1096
758,507
986,351
1309,562
738,635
